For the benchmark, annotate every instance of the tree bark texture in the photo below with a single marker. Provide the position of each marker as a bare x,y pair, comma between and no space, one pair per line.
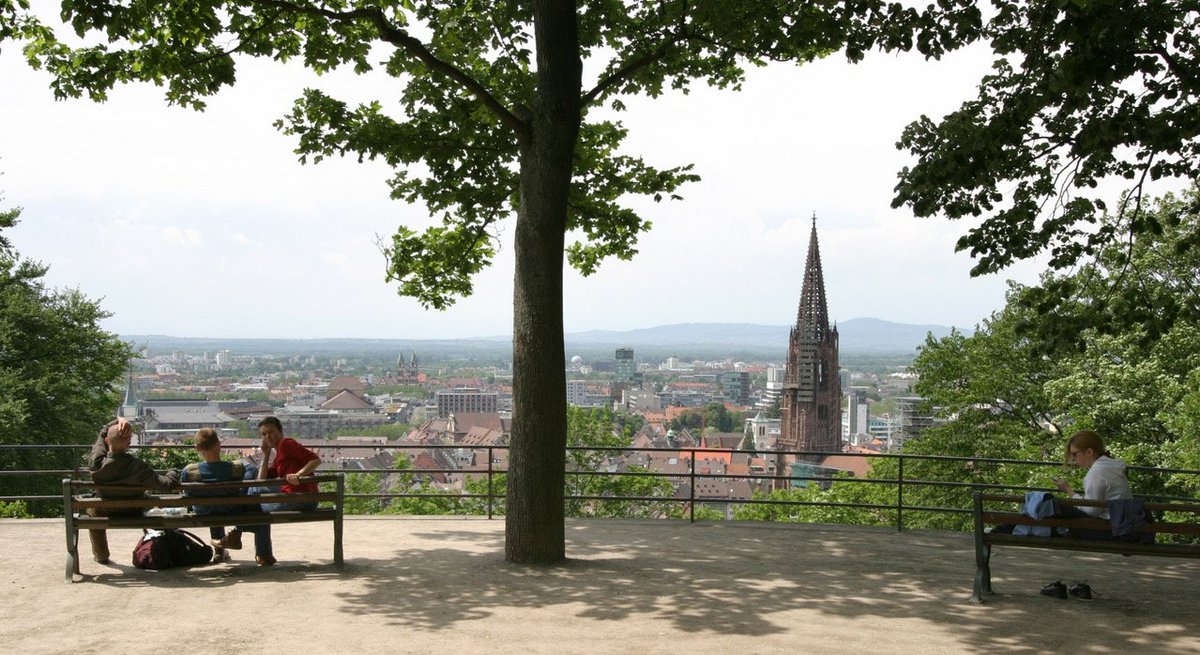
534,530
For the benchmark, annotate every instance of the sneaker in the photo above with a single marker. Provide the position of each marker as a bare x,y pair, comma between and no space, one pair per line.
1056,589
265,560
220,554
1080,590
232,541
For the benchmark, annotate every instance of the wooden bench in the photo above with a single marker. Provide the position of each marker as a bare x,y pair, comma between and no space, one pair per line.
76,505
988,517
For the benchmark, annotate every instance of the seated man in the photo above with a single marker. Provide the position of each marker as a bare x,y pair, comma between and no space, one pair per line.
120,467
291,461
213,469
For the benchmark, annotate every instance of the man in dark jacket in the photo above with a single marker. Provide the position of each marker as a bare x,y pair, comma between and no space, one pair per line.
120,467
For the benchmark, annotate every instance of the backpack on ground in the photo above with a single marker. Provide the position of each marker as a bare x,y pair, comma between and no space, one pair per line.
164,549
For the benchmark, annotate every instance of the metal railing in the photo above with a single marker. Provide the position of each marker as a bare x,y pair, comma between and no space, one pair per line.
913,478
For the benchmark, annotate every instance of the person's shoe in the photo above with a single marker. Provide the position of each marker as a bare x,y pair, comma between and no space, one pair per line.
100,559
1080,590
265,560
1056,589
220,554
232,541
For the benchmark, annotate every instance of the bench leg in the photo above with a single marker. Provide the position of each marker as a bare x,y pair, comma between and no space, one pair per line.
72,554
337,539
983,572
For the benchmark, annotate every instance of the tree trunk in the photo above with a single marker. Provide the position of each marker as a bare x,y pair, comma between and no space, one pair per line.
534,531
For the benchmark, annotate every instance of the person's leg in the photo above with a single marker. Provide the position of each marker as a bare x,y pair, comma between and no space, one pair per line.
99,540
264,553
278,507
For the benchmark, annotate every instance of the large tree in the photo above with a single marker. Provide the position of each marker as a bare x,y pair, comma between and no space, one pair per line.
493,117
59,371
1087,103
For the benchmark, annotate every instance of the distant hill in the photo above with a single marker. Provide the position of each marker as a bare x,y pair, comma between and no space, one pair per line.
691,340
859,334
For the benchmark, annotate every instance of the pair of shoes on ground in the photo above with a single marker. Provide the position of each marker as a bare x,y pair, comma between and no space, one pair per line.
1057,589
265,560
232,541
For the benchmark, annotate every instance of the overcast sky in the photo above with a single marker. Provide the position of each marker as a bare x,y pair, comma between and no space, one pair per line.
205,224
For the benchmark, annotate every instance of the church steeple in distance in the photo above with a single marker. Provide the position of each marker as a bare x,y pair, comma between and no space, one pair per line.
812,390
813,313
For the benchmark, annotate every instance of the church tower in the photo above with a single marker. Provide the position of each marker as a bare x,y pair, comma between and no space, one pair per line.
812,390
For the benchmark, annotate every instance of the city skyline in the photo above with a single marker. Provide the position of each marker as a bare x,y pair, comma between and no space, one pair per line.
205,225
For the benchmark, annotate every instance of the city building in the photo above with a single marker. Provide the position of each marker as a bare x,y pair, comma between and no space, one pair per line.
466,400
773,392
909,419
625,374
854,421
735,385
812,394
575,392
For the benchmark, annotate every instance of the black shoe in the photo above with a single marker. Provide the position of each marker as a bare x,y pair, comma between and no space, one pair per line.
1057,589
1080,590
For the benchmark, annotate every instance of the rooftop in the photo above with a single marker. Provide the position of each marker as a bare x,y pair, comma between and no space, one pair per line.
441,585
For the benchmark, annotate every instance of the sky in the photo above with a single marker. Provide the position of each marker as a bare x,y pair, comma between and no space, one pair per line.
206,225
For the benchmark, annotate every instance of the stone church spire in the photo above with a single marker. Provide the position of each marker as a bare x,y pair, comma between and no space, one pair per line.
812,393
813,314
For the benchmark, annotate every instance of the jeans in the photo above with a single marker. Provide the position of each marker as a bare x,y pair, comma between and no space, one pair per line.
276,507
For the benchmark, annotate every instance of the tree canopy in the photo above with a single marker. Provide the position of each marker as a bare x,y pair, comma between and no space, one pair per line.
1087,103
1003,395
59,370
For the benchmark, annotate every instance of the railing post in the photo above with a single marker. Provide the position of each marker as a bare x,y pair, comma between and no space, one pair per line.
900,496
489,484
692,487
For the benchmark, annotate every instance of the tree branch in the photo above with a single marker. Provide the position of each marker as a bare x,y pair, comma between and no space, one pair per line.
627,71
413,46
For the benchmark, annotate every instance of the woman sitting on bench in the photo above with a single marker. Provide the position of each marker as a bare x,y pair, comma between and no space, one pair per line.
1107,478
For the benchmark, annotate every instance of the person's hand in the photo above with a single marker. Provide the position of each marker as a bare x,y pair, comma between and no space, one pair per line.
124,428
266,447
1062,485
292,478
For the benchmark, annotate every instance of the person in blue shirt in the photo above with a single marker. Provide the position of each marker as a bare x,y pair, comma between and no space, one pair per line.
213,469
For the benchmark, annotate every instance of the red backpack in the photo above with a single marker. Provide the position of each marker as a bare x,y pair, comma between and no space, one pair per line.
164,549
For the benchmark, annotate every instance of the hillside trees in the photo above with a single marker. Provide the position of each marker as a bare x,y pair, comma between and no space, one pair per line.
1004,396
487,113
1083,98
58,369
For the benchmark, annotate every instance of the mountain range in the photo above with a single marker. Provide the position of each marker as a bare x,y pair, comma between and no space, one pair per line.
686,340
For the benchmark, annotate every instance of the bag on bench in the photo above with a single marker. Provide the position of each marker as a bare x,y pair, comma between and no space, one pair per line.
164,549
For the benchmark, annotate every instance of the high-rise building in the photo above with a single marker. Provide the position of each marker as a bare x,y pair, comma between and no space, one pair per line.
855,422
626,368
812,394
626,376
735,386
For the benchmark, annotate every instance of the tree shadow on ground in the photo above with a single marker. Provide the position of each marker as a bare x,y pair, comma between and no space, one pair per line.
759,579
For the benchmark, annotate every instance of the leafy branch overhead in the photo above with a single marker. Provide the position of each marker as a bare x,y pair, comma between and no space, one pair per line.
1082,95
465,93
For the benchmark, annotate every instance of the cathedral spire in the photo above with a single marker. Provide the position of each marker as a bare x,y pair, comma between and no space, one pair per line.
812,318
810,406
